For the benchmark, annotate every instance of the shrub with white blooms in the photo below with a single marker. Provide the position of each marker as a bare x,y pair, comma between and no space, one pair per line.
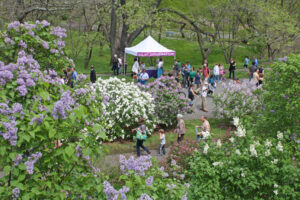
124,104
246,167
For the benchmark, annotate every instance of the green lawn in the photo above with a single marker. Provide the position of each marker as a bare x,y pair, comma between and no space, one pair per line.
186,51
153,141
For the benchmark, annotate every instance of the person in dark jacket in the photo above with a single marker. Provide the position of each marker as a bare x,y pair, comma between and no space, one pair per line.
93,74
232,68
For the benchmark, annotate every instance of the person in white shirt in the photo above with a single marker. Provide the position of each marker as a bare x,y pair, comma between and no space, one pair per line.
144,77
216,72
204,95
160,69
61,80
162,137
135,66
119,64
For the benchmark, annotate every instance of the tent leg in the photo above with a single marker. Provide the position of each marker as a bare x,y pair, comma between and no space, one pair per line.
124,63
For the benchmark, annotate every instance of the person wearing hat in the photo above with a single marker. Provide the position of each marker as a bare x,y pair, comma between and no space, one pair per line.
180,128
203,95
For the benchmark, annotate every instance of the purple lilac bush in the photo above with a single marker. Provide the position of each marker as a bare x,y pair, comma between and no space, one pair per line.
36,114
40,40
168,102
237,100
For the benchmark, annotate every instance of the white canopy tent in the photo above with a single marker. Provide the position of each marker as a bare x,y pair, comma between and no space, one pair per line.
149,48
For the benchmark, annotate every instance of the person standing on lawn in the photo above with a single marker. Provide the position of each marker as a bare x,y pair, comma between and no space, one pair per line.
180,128
216,73
255,61
232,68
162,137
74,77
246,62
141,136
160,69
205,72
115,65
119,64
198,80
93,74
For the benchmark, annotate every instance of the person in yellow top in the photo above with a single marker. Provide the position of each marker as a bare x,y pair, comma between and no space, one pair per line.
256,77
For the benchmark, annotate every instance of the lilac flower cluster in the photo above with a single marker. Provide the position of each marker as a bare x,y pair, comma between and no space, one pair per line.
15,193
39,120
9,121
63,106
32,159
139,165
6,73
58,31
22,44
149,181
18,160
81,91
145,196
112,193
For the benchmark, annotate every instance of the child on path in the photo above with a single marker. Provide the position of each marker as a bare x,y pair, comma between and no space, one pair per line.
162,136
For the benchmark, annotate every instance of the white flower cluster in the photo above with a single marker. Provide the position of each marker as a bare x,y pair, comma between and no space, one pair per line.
123,105
205,134
240,132
206,147
253,150
217,164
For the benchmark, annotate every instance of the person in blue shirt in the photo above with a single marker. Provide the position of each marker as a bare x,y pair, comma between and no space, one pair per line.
144,77
255,61
189,66
246,61
74,76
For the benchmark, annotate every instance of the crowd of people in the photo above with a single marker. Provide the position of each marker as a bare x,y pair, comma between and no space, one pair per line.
69,78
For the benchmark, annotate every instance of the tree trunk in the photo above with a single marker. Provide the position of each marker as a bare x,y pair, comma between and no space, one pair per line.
87,56
159,34
113,30
124,33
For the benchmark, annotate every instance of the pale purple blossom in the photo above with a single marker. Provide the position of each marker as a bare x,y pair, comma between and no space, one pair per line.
15,193
22,44
45,45
145,196
32,159
18,159
138,165
149,181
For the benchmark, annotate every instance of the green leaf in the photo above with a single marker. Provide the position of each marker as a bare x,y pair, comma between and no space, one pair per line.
70,150
2,150
52,133
6,170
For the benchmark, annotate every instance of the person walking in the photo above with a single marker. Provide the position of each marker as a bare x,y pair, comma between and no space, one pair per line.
160,69
180,128
192,75
93,74
204,128
252,69
261,74
204,95
141,136
186,76
74,77
162,137
246,62
115,64
191,94
216,73
232,68
205,72
222,72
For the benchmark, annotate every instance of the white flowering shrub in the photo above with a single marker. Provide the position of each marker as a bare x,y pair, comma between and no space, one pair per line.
124,104
244,167
237,99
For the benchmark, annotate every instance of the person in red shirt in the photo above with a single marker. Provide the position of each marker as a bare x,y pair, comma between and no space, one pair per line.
205,72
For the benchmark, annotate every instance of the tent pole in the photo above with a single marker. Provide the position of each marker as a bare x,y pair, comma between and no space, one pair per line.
124,63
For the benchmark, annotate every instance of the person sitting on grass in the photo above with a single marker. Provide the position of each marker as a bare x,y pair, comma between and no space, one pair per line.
141,136
162,137
144,77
